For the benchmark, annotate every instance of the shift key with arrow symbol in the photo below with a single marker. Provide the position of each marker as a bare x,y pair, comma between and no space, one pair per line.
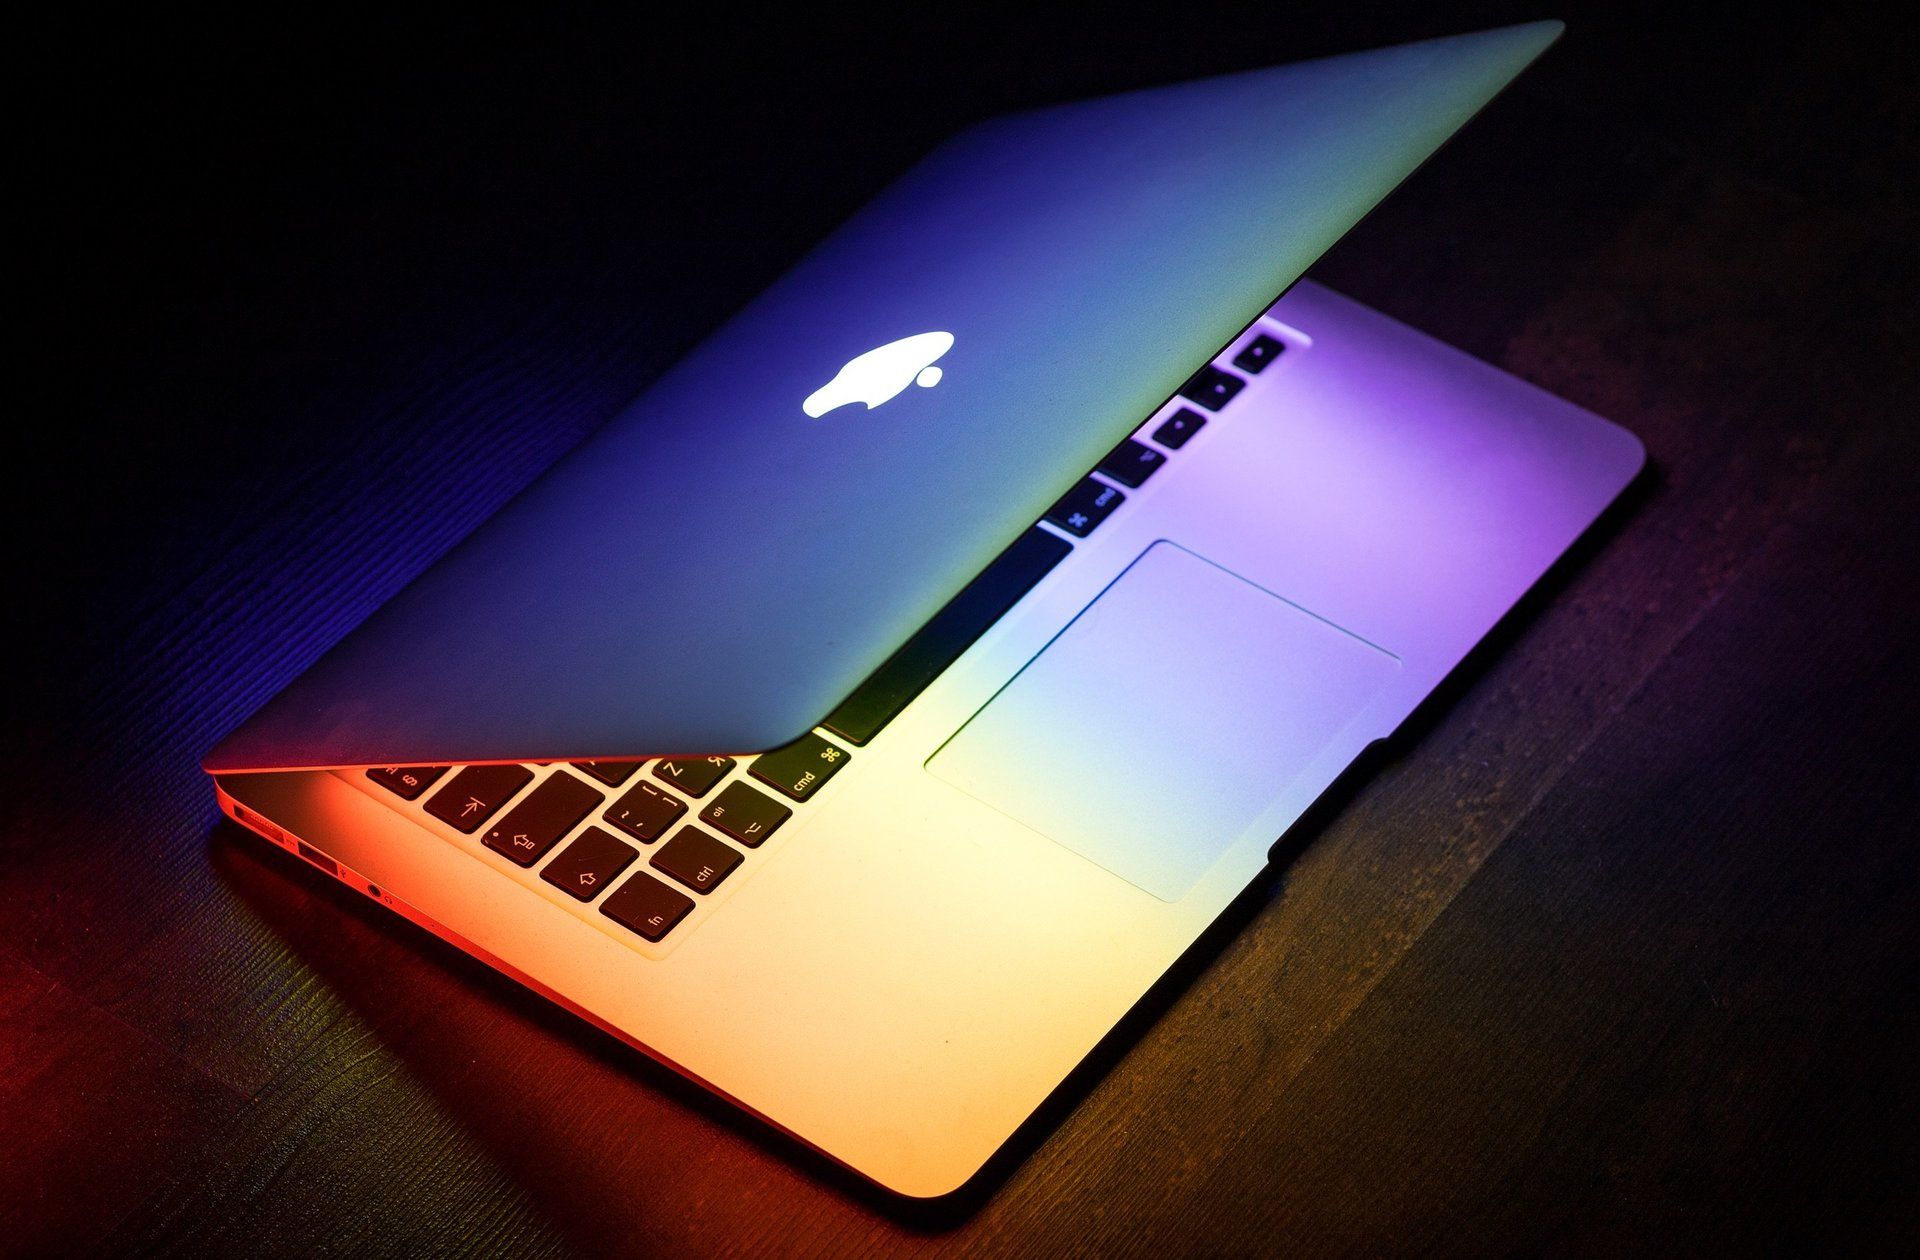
585,868
536,824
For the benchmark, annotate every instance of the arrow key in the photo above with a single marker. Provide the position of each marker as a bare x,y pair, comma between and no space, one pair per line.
586,867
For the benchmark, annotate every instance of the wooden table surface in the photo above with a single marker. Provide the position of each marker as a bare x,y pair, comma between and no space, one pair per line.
1618,954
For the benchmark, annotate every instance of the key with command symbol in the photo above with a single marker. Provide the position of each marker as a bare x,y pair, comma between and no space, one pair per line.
801,768
1085,506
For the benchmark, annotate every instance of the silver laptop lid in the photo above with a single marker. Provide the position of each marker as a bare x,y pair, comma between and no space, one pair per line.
731,555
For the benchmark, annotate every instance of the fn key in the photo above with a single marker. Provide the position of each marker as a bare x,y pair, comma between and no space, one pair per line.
647,906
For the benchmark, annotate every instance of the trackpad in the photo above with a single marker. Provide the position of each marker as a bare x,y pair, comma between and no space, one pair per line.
1164,719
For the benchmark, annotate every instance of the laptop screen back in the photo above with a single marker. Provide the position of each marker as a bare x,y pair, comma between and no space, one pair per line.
730,556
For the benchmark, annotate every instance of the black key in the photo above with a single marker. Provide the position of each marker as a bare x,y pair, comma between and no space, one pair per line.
1085,506
1131,462
611,773
646,812
406,782
800,768
1259,352
1178,427
473,794
537,823
747,815
1211,388
946,635
647,906
584,868
693,775
696,859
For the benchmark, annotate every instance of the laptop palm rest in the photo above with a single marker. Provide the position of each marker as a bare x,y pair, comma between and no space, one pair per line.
1164,719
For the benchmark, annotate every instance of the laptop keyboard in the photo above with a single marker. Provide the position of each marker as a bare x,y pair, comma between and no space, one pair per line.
621,815
644,840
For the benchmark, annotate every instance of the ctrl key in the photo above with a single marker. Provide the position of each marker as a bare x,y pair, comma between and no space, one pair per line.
647,906
696,859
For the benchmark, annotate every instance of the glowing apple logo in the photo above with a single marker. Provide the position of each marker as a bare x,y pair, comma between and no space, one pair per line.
881,373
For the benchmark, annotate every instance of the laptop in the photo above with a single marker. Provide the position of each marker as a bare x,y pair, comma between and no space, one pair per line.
863,720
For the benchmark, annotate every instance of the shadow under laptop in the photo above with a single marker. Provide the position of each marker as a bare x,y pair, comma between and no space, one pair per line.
595,1132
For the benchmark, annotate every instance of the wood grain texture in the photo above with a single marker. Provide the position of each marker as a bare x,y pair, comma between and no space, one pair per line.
1615,954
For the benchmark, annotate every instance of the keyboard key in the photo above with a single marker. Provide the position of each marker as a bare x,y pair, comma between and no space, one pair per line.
472,796
696,859
693,775
1085,506
1178,427
537,823
1131,462
946,635
647,906
1211,388
1259,352
801,768
406,782
586,867
646,812
611,773
747,815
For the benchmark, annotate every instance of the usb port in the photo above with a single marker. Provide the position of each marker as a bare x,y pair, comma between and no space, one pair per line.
319,859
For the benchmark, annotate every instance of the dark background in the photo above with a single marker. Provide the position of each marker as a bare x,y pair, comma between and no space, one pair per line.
1620,953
